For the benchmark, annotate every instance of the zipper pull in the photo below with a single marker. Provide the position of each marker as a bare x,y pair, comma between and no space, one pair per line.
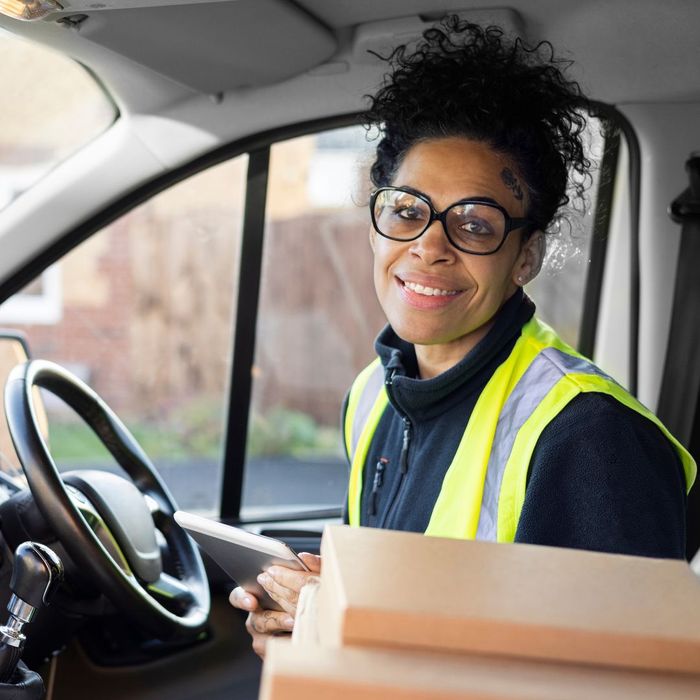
377,484
403,462
392,367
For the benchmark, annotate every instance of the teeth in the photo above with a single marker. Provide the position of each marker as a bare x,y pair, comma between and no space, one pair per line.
430,291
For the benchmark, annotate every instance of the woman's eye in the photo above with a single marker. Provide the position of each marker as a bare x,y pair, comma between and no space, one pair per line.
476,227
408,212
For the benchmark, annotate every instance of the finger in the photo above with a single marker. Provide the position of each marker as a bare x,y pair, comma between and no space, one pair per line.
312,561
285,597
259,643
291,579
284,585
269,622
240,598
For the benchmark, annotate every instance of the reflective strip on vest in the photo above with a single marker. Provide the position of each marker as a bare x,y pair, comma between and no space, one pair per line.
366,403
366,399
546,370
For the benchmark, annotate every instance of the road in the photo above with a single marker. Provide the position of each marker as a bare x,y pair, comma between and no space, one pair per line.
270,482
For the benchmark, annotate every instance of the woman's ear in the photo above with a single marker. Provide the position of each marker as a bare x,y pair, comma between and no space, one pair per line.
529,261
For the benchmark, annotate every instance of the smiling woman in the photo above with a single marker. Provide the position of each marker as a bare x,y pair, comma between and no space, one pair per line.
476,420
481,423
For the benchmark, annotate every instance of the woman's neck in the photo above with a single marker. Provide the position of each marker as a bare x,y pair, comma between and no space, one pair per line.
436,359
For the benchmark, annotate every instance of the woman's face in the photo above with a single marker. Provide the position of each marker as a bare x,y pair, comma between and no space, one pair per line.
448,170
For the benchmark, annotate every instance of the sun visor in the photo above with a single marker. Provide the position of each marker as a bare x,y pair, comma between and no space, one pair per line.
210,46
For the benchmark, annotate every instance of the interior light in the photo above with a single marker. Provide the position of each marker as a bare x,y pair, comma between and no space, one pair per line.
28,9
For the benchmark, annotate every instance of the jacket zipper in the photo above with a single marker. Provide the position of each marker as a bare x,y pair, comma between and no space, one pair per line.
403,461
377,484
391,368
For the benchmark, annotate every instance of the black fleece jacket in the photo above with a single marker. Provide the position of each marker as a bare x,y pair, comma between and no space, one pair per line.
602,477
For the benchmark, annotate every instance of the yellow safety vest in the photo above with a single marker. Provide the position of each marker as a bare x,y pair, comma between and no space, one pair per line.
483,490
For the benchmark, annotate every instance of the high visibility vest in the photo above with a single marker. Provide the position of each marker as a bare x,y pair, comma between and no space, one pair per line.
483,489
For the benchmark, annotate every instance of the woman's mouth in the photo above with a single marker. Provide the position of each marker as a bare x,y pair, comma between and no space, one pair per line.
430,291
424,296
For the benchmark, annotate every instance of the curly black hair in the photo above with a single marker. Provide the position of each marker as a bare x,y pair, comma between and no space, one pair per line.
466,80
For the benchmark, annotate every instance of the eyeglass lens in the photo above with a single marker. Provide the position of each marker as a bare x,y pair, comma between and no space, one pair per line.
473,227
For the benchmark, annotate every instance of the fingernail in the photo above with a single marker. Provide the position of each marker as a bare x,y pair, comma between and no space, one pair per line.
288,622
263,579
247,600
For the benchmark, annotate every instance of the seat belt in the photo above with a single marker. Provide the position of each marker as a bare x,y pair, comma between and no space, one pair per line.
680,386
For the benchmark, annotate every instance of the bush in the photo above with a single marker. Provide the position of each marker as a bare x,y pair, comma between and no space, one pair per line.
283,431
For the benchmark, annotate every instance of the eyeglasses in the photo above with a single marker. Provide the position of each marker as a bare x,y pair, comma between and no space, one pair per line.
476,226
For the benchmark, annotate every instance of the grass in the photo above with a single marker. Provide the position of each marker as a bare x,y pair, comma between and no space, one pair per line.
198,433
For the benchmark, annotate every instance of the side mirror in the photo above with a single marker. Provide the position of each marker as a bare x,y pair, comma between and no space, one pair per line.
14,350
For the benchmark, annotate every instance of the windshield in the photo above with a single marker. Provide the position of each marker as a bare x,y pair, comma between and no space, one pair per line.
51,107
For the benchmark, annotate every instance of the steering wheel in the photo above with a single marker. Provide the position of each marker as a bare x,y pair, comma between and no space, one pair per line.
107,524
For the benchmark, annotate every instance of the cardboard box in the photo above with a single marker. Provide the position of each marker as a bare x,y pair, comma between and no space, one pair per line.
304,672
404,590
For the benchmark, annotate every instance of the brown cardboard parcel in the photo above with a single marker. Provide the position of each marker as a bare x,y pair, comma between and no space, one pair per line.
307,672
408,591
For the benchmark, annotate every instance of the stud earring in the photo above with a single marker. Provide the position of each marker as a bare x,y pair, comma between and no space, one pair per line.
520,279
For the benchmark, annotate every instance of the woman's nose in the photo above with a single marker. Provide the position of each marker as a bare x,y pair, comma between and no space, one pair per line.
432,246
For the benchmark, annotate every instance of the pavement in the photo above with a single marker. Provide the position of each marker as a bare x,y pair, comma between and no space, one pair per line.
274,483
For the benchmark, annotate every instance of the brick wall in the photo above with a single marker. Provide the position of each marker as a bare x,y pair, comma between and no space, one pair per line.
147,314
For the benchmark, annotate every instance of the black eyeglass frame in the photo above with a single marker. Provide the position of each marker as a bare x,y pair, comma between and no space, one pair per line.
511,223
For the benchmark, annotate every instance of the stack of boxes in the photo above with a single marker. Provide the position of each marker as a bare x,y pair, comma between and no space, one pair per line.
400,615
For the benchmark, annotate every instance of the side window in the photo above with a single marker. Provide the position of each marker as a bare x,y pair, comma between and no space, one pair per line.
317,320
143,312
558,291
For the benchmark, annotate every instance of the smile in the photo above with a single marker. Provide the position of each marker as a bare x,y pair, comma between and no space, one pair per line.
430,291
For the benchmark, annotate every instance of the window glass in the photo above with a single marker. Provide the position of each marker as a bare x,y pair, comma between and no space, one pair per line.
558,291
50,107
317,321
144,314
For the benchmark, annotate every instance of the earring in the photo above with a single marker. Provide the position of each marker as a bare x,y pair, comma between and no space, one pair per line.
520,279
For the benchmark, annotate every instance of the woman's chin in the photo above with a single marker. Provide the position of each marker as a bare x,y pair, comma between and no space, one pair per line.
422,336
464,337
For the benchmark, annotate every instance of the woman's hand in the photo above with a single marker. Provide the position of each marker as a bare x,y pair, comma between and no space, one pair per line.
283,586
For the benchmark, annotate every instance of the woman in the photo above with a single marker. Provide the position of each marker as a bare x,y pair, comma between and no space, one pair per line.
476,420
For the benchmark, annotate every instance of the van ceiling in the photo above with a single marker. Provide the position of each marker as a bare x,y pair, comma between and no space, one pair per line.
624,50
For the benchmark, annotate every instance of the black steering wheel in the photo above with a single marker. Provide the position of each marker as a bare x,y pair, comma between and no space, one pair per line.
107,524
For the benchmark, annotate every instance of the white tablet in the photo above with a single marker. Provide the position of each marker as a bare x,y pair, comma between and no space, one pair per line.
241,554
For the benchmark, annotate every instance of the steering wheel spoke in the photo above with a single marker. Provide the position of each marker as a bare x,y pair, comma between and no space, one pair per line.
162,516
172,593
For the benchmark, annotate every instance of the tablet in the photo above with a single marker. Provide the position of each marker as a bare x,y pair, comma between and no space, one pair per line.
241,554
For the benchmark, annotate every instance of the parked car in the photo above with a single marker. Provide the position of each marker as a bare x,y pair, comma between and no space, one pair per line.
182,227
